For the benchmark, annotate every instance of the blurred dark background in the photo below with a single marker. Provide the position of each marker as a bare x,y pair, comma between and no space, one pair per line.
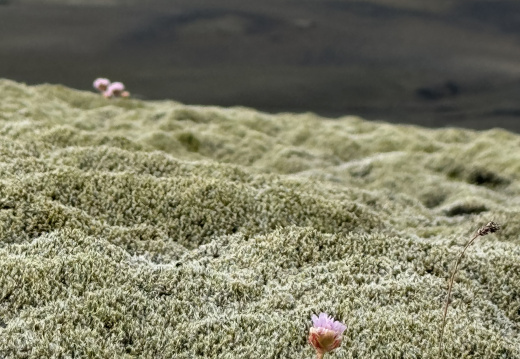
433,63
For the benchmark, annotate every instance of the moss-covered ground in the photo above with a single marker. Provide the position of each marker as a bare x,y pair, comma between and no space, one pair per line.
134,229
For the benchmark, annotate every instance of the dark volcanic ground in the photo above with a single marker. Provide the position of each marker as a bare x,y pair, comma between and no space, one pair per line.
451,63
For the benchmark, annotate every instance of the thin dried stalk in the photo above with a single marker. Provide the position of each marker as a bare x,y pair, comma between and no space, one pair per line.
491,227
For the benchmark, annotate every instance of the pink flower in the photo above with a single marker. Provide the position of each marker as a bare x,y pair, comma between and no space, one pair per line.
101,84
116,89
326,334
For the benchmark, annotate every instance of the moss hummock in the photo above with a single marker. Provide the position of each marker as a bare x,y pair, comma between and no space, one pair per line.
160,230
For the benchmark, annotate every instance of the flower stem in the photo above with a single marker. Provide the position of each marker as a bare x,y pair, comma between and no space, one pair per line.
320,355
450,287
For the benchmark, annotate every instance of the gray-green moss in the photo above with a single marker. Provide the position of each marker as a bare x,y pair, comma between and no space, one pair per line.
159,230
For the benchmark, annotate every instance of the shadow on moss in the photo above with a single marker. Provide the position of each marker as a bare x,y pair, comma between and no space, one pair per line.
465,208
189,141
484,177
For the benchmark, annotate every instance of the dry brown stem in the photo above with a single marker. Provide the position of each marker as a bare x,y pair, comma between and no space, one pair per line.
491,227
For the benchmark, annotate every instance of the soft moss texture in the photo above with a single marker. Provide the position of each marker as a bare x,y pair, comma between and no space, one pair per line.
159,230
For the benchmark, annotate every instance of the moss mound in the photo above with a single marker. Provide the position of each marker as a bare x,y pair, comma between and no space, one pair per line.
160,230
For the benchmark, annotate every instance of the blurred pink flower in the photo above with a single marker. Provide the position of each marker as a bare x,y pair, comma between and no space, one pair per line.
116,89
101,84
326,334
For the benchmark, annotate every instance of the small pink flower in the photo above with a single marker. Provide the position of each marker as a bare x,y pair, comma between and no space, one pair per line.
116,89
109,90
326,334
101,84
